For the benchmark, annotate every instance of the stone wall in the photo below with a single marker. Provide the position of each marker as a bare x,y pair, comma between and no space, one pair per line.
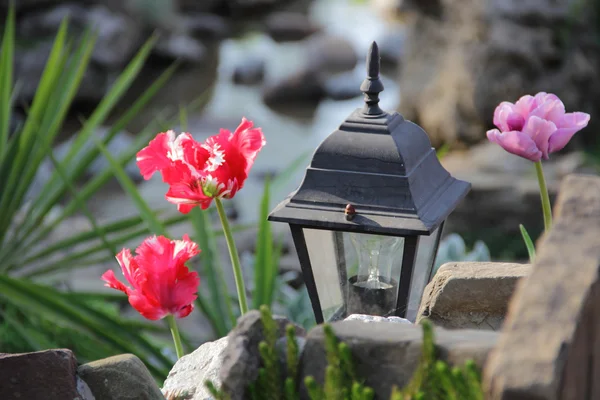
549,348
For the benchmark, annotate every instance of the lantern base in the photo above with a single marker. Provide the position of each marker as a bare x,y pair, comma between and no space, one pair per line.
380,302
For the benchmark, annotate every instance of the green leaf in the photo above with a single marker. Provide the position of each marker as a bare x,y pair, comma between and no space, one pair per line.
528,243
127,184
218,304
50,303
9,199
6,79
265,272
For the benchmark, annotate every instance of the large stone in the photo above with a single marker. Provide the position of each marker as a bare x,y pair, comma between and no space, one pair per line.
387,354
122,377
191,371
241,359
206,26
30,64
504,193
549,347
465,57
304,87
330,54
118,36
471,295
289,26
48,375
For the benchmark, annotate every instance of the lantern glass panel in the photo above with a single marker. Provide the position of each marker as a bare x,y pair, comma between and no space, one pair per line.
426,252
325,255
355,273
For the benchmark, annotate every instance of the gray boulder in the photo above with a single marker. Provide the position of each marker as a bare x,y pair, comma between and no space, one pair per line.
465,57
122,377
191,371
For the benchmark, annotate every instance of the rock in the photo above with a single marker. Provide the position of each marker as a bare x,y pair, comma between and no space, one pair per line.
465,57
178,46
343,86
375,318
48,375
206,26
471,295
386,354
30,64
305,87
191,371
250,72
22,5
504,193
121,377
289,26
195,5
281,346
241,359
548,347
330,54
118,36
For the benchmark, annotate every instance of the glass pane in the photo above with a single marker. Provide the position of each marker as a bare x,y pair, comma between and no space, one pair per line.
373,265
324,256
426,252
355,273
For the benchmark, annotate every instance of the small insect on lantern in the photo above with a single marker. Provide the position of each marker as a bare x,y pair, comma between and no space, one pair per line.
367,218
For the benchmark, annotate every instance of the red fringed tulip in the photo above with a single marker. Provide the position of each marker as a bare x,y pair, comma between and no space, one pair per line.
161,284
534,127
198,172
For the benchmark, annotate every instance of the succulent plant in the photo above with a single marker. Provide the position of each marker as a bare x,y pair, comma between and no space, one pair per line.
453,248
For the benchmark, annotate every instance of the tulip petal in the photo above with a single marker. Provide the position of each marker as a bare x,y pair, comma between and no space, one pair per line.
525,105
184,194
568,126
155,157
146,307
539,130
517,143
501,115
112,282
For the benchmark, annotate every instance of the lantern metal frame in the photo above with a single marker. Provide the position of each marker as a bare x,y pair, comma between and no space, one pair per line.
376,174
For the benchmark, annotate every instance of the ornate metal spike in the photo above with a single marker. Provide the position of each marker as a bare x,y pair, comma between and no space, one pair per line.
372,85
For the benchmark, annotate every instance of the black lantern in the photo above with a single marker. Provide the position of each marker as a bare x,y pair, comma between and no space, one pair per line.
367,218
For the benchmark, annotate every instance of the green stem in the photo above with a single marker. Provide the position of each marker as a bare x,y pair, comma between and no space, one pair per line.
176,337
546,207
235,258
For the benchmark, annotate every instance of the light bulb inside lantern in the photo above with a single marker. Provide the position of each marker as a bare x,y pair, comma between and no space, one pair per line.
376,255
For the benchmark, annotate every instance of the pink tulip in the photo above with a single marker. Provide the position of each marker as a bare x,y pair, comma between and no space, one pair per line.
534,127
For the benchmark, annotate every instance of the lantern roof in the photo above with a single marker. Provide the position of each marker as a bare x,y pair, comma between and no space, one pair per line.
377,173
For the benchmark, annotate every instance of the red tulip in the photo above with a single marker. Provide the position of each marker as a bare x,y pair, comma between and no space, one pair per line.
161,283
198,172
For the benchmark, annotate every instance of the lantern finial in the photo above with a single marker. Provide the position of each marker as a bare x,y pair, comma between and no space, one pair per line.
372,85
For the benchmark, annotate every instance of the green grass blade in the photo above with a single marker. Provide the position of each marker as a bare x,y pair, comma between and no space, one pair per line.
6,78
212,271
54,116
53,190
263,261
83,207
528,243
26,138
127,184
50,303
